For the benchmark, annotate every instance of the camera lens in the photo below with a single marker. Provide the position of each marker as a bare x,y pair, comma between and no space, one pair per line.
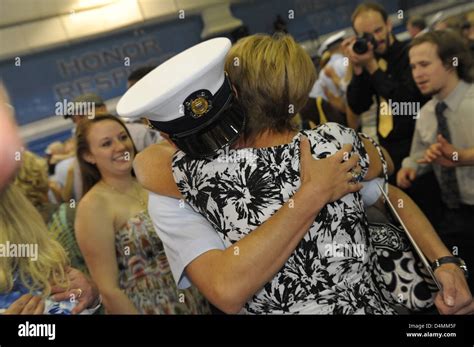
360,46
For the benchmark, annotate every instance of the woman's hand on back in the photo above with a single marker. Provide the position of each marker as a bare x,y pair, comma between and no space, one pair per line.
329,178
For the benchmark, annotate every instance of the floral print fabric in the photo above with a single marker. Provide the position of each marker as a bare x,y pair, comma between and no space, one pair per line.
145,275
330,271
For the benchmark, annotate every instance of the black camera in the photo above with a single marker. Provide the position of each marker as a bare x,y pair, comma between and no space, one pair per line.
361,45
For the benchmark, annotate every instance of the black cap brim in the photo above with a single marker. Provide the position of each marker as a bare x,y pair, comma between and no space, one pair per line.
208,141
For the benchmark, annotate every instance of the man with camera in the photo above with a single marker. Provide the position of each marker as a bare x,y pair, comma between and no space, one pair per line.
381,68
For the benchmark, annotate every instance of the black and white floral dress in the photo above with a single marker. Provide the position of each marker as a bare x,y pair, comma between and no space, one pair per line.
330,270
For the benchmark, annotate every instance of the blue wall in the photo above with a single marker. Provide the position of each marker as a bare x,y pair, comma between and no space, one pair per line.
93,66
98,65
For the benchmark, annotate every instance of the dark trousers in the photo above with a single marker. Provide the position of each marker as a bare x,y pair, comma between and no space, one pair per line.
425,192
398,151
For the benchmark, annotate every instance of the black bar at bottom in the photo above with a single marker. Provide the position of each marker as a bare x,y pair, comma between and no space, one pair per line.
421,329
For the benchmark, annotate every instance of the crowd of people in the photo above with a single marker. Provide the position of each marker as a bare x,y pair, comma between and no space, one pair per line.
249,166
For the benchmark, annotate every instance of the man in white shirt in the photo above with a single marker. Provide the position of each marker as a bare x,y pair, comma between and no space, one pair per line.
440,65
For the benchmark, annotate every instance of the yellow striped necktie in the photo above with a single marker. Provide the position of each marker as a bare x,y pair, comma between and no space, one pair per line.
322,115
385,113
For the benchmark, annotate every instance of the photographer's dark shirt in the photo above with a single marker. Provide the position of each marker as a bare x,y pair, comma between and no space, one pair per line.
395,85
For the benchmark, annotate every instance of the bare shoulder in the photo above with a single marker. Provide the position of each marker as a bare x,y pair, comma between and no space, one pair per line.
94,228
94,204
153,169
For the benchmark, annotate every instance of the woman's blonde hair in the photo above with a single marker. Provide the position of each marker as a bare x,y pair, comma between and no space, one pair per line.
32,178
20,224
273,76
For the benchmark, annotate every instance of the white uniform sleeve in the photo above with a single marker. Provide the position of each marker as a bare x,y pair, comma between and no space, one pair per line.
185,233
371,192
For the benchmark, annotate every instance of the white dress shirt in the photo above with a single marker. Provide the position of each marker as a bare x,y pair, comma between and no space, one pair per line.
460,118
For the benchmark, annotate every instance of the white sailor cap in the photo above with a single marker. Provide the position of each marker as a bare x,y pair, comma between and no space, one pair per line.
190,98
331,40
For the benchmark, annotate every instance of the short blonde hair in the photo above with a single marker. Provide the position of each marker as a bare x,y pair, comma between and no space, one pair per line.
273,76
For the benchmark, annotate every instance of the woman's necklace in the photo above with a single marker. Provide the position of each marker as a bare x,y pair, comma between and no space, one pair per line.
138,196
